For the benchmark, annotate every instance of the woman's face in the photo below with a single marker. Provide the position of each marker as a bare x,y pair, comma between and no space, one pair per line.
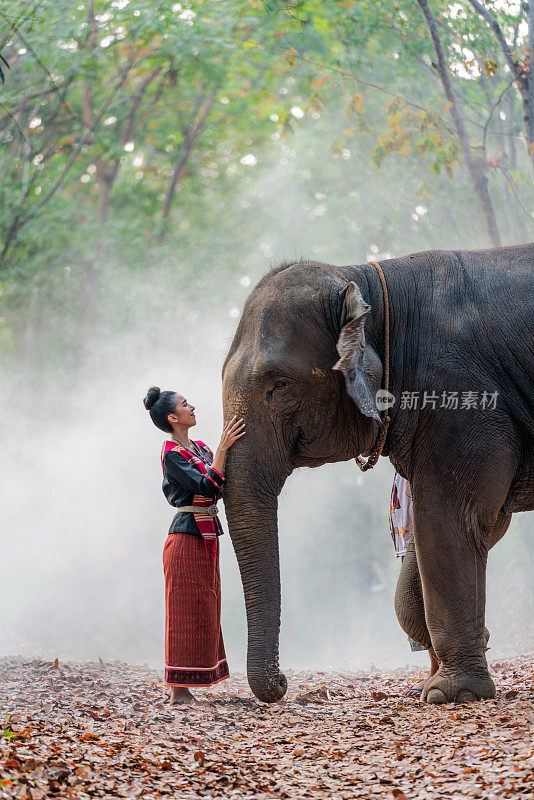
184,413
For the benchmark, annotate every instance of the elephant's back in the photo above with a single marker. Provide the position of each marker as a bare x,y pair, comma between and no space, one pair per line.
470,320
474,296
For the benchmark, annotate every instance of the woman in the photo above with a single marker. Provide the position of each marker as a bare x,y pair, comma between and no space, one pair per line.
192,482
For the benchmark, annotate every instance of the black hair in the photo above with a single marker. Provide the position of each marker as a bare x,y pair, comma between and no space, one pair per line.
159,405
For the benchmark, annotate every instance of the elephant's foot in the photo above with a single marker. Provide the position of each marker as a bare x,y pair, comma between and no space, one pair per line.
451,685
415,689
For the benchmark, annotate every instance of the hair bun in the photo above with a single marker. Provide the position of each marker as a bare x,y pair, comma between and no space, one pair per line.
152,397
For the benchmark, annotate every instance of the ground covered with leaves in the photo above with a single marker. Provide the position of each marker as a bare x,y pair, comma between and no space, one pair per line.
106,730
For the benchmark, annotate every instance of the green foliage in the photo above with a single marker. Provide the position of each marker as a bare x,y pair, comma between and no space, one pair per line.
316,129
418,131
125,128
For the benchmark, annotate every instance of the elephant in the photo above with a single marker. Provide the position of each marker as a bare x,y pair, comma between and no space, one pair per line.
461,325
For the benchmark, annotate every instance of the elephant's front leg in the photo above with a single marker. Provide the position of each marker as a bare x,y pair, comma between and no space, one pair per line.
452,553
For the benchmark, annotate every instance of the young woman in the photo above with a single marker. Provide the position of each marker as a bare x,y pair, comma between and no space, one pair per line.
193,479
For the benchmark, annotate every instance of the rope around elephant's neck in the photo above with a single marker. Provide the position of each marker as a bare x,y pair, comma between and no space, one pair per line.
384,424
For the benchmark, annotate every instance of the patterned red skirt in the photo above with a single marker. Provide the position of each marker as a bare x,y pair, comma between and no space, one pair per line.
194,647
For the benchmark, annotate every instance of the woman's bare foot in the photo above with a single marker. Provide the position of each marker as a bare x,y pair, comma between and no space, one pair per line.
416,688
181,694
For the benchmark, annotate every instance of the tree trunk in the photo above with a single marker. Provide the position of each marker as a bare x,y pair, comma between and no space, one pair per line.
96,269
524,77
528,93
11,234
517,232
31,322
476,167
191,134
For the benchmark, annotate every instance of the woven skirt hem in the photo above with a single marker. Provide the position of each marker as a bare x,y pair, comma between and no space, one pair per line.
196,677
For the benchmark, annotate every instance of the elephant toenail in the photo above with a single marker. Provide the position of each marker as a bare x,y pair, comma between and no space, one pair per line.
436,696
465,696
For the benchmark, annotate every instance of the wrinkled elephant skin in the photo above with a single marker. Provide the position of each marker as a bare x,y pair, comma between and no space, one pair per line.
304,367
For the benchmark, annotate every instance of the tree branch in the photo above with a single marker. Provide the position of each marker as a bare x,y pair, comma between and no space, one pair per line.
493,108
376,86
499,35
475,169
136,102
13,25
192,131
524,78
83,141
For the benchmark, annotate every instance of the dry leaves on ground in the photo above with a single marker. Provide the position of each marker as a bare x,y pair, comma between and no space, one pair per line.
106,730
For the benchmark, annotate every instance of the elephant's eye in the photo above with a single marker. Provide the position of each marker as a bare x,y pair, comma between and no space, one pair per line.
277,386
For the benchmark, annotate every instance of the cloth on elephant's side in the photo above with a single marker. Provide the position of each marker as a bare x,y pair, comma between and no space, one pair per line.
194,647
401,527
415,646
400,514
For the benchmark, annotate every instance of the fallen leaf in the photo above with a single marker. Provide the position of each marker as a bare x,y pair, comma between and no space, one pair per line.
379,695
13,763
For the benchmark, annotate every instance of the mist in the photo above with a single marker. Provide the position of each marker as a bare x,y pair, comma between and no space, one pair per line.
83,518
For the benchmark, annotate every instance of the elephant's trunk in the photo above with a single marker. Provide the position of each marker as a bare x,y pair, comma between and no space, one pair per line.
254,532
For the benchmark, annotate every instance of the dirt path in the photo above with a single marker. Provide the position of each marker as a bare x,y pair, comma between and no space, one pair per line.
105,730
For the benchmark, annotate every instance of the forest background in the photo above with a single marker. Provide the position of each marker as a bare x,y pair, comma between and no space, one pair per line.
155,161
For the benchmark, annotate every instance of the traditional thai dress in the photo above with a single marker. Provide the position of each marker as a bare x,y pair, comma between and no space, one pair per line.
194,647
401,525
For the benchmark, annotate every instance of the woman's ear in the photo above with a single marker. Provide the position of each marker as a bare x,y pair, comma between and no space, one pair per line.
358,361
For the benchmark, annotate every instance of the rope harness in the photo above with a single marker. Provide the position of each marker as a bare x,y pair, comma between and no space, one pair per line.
384,424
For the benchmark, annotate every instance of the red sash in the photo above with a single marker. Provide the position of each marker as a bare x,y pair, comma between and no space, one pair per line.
205,523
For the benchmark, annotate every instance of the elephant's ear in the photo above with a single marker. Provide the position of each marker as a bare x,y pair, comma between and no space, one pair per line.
358,361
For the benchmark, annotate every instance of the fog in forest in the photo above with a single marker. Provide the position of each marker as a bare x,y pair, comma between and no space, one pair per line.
83,518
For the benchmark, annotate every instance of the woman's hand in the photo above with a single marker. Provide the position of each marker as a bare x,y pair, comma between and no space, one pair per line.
232,431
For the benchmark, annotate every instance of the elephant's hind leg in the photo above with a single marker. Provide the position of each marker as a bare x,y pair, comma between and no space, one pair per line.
455,522
409,605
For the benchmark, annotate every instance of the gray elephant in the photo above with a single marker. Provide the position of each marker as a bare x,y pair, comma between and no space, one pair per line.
459,322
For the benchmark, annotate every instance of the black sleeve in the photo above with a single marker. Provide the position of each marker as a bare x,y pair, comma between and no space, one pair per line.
179,470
